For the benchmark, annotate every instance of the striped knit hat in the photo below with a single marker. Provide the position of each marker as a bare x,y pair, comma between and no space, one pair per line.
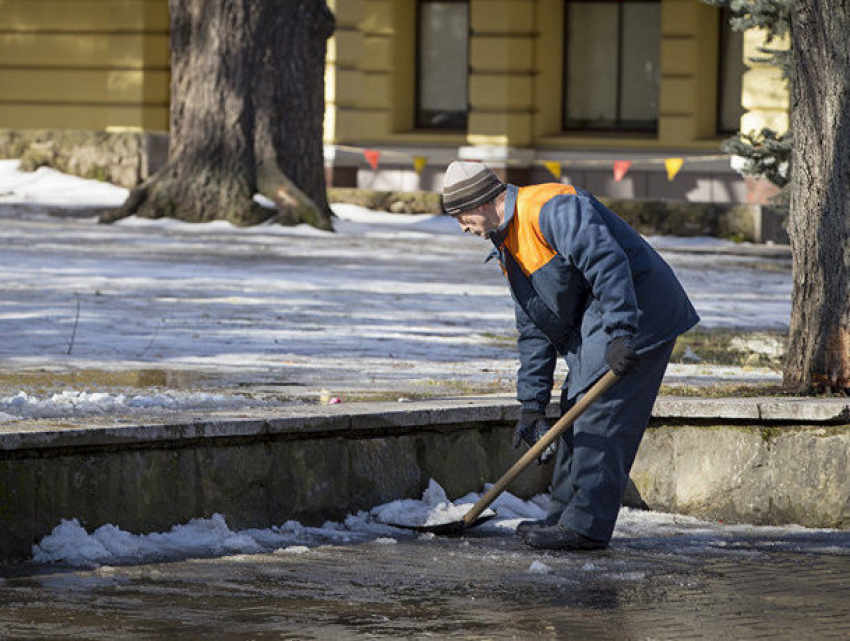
468,185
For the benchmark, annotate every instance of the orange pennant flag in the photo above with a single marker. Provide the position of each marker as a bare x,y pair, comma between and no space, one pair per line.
673,166
554,168
372,156
621,168
419,163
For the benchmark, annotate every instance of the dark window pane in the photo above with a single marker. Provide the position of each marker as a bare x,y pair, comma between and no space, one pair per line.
592,63
731,76
640,75
613,65
443,64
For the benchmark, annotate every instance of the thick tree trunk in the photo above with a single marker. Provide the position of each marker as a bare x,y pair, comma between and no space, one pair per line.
819,350
247,105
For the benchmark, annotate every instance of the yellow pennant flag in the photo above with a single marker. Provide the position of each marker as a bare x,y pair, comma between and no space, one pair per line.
673,166
419,163
554,168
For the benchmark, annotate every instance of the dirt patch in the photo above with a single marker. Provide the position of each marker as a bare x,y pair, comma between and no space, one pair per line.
725,347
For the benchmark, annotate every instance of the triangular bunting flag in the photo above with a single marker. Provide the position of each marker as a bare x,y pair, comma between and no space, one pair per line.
372,156
554,168
673,166
621,168
419,163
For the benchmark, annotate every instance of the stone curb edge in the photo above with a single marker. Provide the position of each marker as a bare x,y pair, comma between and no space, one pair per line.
387,417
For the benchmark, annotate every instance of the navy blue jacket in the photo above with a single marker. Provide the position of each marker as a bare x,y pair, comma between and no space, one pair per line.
580,276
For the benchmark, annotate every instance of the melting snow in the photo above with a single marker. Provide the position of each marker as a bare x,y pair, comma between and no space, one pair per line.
435,508
71,403
71,544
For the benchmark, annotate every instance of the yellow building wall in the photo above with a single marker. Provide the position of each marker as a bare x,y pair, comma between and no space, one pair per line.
690,36
103,64
84,64
343,76
501,61
548,69
765,94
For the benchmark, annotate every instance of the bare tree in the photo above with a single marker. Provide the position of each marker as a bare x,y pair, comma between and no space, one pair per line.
819,222
247,105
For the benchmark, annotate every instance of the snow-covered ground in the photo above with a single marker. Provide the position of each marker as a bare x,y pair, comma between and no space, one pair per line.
144,316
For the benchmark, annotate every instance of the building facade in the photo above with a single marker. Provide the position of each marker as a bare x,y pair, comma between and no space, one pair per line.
603,93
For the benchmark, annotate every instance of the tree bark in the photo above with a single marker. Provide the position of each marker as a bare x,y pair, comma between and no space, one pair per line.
818,358
247,106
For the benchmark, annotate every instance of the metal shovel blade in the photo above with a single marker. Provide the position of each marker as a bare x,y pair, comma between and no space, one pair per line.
452,528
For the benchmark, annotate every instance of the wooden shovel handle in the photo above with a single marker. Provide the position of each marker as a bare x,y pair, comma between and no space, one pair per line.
548,438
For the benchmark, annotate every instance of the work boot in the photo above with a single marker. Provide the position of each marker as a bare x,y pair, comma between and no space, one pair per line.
558,537
524,527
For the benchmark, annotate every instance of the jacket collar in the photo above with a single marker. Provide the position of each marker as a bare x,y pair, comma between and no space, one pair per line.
500,233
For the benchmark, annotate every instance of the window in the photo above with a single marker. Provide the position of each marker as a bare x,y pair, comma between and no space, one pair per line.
443,64
612,65
730,76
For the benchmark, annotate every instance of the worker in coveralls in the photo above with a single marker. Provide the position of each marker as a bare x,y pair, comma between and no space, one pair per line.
588,287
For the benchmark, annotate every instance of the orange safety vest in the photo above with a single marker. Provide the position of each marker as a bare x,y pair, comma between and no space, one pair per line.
524,240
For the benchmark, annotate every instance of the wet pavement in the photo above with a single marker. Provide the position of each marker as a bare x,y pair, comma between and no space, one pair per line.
482,586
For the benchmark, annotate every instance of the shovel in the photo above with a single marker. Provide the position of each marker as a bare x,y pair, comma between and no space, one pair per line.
473,516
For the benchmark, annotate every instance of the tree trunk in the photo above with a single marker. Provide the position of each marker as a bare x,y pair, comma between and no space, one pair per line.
247,106
819,350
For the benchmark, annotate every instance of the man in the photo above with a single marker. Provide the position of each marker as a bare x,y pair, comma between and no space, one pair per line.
588,287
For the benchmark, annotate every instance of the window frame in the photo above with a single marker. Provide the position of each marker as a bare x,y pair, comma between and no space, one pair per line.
417,100
571,127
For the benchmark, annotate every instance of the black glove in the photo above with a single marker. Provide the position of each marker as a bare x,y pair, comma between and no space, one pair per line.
530,428
621,356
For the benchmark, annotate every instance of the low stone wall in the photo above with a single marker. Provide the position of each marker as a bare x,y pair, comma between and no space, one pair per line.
737,474
121,158
752,223
764,461
257,472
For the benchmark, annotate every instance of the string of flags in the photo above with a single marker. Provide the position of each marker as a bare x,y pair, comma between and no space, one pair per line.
620,168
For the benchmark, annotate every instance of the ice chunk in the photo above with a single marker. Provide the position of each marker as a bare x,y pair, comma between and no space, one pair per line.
293,549
537,567
434,508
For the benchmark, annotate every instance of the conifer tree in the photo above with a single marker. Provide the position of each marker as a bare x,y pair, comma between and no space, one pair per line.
818,180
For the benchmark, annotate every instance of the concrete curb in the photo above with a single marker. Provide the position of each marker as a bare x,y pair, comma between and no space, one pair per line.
390,417
307,421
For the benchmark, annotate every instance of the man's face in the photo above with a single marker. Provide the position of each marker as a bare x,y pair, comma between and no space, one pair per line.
479,221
